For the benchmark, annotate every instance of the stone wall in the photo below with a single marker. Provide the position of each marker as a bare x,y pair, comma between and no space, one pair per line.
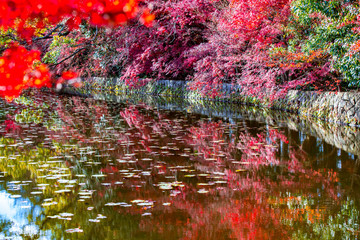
341,108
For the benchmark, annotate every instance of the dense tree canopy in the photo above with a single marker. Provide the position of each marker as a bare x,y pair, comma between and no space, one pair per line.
266,46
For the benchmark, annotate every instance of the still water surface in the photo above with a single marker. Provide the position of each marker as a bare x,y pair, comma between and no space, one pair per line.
75,168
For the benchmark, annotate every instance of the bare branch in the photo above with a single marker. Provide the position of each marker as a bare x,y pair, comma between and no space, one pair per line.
68,57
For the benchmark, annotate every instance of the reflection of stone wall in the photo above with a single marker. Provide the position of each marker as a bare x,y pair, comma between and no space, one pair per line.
343,137
337,108
346,138
343,108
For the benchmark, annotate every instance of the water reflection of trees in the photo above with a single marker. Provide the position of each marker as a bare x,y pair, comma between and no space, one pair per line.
198,179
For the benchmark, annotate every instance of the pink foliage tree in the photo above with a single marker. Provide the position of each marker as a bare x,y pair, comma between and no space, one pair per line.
160,51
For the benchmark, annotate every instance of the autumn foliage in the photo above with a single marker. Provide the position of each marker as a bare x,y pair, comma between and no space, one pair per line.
21,68
98,12
267,47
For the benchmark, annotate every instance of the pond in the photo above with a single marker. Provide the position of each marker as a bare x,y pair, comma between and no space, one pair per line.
80,168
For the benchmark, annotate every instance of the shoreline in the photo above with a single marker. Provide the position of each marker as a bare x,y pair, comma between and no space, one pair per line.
341,108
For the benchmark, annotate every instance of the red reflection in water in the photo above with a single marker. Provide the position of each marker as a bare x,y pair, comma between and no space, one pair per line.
219,184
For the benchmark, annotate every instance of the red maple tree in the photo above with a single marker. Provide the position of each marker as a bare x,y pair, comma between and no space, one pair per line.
20,64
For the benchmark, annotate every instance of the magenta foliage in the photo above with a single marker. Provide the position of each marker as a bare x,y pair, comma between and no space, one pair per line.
160,51
236,50
207,42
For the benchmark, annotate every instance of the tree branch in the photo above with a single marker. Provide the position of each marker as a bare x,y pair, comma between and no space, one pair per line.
68,57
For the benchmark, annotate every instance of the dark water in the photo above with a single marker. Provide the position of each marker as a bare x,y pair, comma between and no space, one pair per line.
74,168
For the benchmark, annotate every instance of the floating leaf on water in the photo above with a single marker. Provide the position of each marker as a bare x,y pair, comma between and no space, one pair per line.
43,184
63,181
15,182
62,191
202,191
74,230
270,146
169,177
112,204
121,203
190,175
165,187
26,207
36,193
86,192
48,204
221,182
203,175
99,216
177,184
174,193
126,205
65,214
145,173
15,196
94,220
85,197
184,155
145,204
130,154
47,177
